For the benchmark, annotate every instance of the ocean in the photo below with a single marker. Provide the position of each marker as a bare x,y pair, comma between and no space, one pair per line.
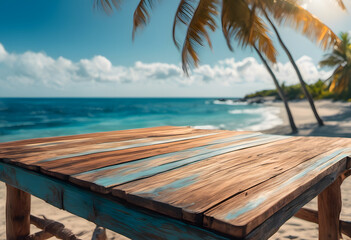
24,118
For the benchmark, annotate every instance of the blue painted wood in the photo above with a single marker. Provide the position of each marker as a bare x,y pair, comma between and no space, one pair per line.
172,154
125,147
318,166
83,137
220,178
130,221
127,172
254,207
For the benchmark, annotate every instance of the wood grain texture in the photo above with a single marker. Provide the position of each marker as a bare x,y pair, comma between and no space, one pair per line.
17,213
251,208
63,168
103,178
132,222
79,147
31,154
238,184
329,209
189,191
61,139
272,224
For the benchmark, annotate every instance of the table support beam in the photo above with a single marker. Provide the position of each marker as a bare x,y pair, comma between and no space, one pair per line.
17,213
312,216
329,208
104,210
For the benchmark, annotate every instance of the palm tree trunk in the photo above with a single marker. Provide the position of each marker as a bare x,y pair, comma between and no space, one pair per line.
280,92
303,84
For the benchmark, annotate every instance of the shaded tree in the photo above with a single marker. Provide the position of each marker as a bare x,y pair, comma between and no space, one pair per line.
340,59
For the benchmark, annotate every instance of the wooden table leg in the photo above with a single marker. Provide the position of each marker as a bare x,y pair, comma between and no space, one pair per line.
329,208
17,213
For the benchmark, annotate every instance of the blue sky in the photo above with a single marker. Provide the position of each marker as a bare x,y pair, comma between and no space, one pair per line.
67,48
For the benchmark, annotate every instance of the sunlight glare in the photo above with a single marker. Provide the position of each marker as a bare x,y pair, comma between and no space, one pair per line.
326,10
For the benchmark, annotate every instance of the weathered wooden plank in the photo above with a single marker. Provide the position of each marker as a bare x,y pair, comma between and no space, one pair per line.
60,139
128,220
251,208
87,150
135,145
103,178
25,152
104,157
99,142
50,151
189,191
17,213
64,167
272,224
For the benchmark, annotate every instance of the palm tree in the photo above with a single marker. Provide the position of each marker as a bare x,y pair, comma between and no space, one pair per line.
249,30
199,16
294,15
237,23
340,59
280,91
299,75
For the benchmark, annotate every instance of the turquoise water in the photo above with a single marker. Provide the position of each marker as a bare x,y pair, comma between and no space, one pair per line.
23,118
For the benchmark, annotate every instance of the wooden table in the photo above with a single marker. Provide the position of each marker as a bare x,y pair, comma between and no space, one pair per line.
178,182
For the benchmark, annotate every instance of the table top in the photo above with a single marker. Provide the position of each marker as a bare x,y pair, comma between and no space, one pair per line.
231,182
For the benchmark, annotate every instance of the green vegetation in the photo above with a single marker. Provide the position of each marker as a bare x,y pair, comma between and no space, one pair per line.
318,90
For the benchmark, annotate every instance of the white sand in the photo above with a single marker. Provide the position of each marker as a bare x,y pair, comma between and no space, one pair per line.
337,118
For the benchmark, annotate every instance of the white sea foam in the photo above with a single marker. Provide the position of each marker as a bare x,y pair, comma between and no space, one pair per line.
270,117
229,102
208,127
249,111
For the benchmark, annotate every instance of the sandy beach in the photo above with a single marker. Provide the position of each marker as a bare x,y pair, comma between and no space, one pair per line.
337,117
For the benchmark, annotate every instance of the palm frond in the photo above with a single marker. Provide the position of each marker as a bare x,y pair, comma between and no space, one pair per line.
183,15
340,81
340,58
264,42
341,4
235,16
241,23
202,18
290,13
141,15
107,5
331,60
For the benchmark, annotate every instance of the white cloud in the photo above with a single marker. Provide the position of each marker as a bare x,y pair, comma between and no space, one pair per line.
310,72
39,69
3,52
